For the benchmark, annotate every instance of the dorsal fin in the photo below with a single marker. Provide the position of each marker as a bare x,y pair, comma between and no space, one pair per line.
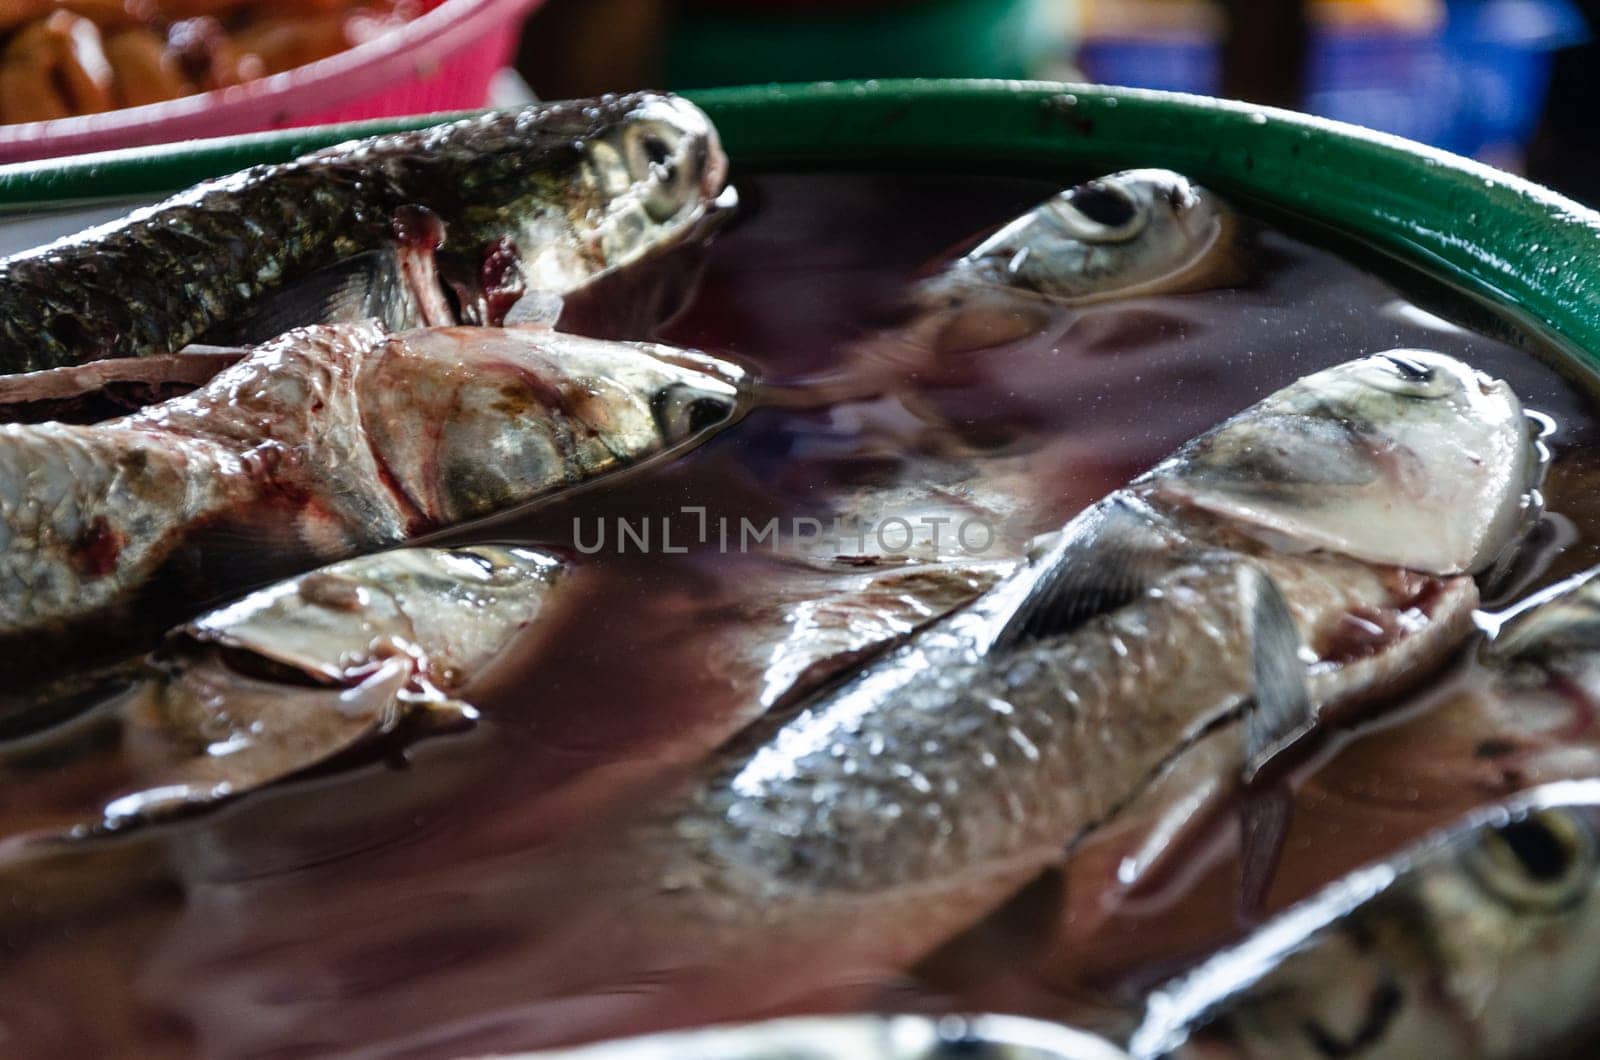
1104,560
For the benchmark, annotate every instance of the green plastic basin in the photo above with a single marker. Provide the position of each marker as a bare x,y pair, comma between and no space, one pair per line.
1520,247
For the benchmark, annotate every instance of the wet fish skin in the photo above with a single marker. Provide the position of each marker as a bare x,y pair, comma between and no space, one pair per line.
364,644
282,681
699,903
577,189
1137,232
1481,941
1318,461
1108,237
973,754
333,433
860,1038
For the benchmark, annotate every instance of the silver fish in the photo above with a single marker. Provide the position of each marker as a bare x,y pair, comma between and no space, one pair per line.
295,674
1482,941
445,225
1148,622
858,828
861,1038
1143,231
325,443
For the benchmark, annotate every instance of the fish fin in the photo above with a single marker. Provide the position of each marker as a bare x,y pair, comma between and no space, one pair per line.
1104,563
536,307
369,286
1281,711
1264,812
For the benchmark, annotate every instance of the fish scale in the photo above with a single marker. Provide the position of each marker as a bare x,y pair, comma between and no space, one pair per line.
336,440
971,757
212,257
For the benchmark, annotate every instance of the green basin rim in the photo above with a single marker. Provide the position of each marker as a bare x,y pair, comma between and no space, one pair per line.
1522,247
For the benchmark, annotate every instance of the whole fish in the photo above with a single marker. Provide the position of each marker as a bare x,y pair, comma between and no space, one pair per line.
846,836
861,1038
1143,231
287,678
1482,941
328,442
1170,602
445,225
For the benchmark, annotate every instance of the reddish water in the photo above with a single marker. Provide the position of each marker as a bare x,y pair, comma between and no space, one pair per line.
424,900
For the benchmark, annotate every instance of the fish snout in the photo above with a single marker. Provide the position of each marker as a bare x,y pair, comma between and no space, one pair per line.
686,408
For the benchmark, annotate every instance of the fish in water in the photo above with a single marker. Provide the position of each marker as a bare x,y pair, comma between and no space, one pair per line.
861,1038
1481,941
289,677
1177,606
1143,231
446,225
850,833
329,441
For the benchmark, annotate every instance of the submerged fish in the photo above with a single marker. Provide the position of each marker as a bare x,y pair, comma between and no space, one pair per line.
290,677
1483,941
849,834
862,1038
1155,616
1144,231
327,442
545,199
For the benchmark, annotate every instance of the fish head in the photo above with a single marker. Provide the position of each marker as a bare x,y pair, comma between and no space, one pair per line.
1138,230
1408,458
445,612
517,413
1516,917
650,175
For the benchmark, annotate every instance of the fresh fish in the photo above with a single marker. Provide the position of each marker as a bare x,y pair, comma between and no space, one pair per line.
325,443
445,225
1150,620
289,677
1143,231
862,1038
1482,941
846,836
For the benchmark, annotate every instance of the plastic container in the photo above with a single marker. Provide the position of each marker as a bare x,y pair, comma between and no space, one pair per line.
1475,84
443,60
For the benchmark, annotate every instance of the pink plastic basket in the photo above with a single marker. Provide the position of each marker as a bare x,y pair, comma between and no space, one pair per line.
442,60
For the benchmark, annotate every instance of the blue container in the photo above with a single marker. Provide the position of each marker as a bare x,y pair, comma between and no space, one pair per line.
1476,85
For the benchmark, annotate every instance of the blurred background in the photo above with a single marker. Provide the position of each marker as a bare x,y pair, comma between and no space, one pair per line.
1506,81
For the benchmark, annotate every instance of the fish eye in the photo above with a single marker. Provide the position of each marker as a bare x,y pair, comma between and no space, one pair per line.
1405,375
655,149
1545,860
1410,369
683,412
650,153
1105,204
1100,211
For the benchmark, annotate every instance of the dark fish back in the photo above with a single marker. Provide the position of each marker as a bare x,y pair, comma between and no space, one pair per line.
168,275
